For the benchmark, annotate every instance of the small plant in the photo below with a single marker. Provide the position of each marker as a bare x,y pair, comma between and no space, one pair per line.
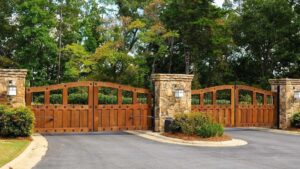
210,130
196,124
295,120
16,122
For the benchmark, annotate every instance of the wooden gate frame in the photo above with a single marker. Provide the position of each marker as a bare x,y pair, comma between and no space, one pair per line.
64,110
233,114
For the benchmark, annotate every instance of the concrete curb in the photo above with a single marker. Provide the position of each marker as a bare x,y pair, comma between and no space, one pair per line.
158,137
31,156
273,130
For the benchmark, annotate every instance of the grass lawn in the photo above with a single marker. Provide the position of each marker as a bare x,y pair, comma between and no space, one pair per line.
11,148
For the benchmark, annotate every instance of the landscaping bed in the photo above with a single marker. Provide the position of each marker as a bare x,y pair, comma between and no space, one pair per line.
197,138
196,126
293,129
11,148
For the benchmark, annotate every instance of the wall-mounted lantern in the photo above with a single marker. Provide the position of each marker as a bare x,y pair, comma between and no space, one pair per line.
297,95
11,88
179,93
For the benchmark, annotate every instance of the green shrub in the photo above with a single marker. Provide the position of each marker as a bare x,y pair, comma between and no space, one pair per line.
16,122
193,121
295,120
210,130
196,124
187,123
78,98
56,98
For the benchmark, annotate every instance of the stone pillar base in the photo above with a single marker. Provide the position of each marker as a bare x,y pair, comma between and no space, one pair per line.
287,103
17,76
166,104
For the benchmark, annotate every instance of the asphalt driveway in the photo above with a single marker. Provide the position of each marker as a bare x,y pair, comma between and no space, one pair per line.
121,150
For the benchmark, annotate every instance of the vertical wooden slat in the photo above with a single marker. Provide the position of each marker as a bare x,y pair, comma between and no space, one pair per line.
28,98
91,106
105,118
65,96
47,97
120,95
95,107
134,99
202,99
254,102
214,97
232,105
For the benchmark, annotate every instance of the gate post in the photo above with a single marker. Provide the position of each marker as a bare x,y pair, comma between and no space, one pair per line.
288,104
172,95
13,80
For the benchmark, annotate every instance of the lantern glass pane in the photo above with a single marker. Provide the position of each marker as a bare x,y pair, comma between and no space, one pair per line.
297,95
179,93
12,91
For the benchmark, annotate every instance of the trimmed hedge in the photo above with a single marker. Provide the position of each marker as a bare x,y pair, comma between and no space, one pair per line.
196,124
295,120
82,98
16,122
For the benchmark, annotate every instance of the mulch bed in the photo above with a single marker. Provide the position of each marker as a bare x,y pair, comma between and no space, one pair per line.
293,129
196,138
17,138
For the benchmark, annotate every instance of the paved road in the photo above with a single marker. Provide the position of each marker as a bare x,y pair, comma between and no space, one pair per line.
123,151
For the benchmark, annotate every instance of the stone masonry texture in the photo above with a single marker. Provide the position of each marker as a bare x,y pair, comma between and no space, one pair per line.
18,77
288,104
166,104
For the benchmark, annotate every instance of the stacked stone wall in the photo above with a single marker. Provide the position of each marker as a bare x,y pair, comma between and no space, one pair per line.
17,76
166,104
288,104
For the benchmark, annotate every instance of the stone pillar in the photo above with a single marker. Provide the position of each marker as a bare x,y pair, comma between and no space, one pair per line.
166,104
288,104
17,77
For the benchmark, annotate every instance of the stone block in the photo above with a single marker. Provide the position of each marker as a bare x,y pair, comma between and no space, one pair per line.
18,76
166,104
287,103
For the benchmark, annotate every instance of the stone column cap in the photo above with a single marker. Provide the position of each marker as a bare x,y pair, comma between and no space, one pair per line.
13,72
171,77
284,81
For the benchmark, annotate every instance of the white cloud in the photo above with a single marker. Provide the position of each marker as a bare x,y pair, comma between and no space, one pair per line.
219,2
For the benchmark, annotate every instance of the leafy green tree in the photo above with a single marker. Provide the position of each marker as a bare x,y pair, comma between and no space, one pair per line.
37,49
203,40
93,30
68,27
77,63
8,28
267,33
114,65
5,62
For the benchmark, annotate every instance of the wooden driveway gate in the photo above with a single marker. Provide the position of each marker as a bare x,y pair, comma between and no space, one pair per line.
89,106
237,105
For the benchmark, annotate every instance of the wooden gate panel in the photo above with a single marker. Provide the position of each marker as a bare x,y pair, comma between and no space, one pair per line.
61,117
236,113
66,117
222,114
122,116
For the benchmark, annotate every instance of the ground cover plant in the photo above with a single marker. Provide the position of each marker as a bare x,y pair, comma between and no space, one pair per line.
198,124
